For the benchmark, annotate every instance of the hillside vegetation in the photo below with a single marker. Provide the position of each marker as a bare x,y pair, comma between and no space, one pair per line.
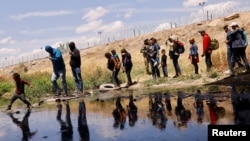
94,62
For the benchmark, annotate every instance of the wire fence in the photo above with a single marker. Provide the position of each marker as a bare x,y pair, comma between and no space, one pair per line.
134,30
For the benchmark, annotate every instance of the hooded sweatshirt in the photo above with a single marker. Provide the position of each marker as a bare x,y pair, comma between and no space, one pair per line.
57,59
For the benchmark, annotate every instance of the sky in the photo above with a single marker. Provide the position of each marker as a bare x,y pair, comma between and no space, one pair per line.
27,26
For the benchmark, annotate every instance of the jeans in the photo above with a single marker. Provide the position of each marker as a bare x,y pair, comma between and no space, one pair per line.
55,76
176,65
78,78
165,71
115,77
155,70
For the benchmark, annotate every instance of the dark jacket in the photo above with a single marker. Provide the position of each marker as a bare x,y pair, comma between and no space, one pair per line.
75,59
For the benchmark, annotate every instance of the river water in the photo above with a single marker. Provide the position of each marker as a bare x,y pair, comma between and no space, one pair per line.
129,116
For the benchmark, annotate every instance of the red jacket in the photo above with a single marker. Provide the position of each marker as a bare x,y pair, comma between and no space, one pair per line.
206,44
20,86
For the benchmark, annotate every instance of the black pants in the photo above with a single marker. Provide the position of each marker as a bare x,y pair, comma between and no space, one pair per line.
208,61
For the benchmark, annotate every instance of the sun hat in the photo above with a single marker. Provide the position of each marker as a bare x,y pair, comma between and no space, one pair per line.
234,24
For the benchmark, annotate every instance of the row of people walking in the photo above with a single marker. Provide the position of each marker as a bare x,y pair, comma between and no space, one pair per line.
236,42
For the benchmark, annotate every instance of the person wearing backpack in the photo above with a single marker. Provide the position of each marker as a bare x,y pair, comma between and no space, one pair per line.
207,51
175,56
193,55
238,47
112,66
229,48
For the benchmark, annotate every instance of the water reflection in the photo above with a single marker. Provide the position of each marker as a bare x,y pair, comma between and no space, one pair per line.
132,111
215,112
23,125
82,122
241,105
182,114
157,111
198,105
66,125
119,114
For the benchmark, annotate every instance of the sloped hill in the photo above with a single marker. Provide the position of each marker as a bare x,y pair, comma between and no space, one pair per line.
94,57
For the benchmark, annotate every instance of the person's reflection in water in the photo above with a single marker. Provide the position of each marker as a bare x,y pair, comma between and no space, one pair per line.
132,111
82,122
182,115
198,104
24,125
241,106
168,103
215,112
66,126
119,114
157,111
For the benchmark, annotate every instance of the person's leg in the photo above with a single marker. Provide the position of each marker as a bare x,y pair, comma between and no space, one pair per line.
24,100
244,57
54,78
129,80
12,100
229,56
64,82
115,78
208,61
175,65
153,69
195,67
78,78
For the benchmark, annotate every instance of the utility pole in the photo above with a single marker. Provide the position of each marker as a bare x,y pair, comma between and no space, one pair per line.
100,33
202,6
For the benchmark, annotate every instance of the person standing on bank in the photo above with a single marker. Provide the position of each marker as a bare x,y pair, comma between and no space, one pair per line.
238,47
164,63
127,65
193,55
145,50
59,69
75,63
155,59
207,51
112,66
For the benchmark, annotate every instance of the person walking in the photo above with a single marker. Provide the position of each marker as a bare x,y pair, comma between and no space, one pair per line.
173,43
154,61
238,47
59,69
164,63
127,65
19,92
145,50
112,66
75,63
228,42
207,51
193,55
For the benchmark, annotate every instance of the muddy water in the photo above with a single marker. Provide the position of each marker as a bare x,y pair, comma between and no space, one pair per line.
159,116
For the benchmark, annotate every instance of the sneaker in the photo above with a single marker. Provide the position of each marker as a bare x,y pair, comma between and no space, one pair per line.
155,64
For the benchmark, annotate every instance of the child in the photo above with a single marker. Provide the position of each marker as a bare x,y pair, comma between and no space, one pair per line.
19,92
164,63
193,55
